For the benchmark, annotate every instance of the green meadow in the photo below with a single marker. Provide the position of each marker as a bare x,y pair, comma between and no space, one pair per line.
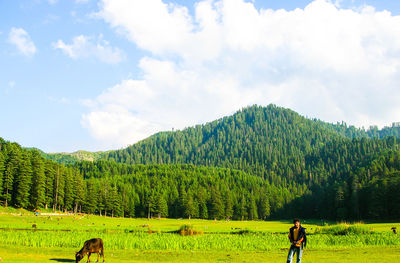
25,237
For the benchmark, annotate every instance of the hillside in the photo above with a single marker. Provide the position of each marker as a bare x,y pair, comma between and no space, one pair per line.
29,181
261,162
70,158
272,142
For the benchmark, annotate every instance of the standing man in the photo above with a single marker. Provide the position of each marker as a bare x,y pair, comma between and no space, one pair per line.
297,237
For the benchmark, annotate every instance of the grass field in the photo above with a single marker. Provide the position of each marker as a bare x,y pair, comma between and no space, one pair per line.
25,237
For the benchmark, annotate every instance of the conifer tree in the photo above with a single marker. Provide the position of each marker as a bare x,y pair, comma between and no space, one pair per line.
265,210
91,196
69,190
37,192
2,168
49,184
161,206
115,202
242,209
228,205
80,192
23,182
190,206
217,210
9,175
252,208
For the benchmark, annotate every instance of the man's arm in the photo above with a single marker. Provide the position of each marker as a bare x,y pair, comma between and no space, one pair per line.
300,240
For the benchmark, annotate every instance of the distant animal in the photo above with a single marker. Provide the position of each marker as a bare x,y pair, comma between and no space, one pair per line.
394,230
34,226
94,245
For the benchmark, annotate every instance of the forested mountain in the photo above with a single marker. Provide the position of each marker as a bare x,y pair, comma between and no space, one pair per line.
29,181
372,132
261,162
271,142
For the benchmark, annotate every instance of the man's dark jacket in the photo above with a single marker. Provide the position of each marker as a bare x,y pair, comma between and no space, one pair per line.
302,233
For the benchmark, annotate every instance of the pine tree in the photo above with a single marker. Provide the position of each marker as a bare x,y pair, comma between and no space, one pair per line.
161,206
102,203
2,168
203,209
37,192
182,200
228,205
23,182
49,183
252,208
69,190
80,191
217,210
130,210
242,208
116,202
191,207
91,196
151,203
9,175
265,207
59,182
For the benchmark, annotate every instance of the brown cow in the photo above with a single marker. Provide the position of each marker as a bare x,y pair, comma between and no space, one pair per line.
94,245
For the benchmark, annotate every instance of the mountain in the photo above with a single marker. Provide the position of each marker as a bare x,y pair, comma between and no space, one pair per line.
372,132
27,180
261,162
272,142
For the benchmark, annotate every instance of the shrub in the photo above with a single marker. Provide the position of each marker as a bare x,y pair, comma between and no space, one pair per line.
187,230
344,229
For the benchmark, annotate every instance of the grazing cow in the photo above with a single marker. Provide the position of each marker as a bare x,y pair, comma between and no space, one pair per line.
394,230
94,245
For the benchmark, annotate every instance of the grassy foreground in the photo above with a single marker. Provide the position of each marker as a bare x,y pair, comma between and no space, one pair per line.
25,237
372,255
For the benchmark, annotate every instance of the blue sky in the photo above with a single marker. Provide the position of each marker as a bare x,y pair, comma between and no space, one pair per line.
100,75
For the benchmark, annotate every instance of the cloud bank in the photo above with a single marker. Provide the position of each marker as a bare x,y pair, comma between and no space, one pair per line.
322,61
21,39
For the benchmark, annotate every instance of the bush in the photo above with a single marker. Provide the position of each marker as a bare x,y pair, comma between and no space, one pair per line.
187,230
343,229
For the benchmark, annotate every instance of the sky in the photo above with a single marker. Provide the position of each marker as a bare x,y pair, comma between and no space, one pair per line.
102,75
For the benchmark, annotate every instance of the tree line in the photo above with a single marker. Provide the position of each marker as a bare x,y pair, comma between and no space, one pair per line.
108,188
259,163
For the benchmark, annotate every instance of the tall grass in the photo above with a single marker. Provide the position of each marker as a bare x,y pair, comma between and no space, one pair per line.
169,241
124,233
344,229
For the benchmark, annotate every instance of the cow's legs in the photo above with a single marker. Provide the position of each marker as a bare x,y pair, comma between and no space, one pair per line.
88,257
98,257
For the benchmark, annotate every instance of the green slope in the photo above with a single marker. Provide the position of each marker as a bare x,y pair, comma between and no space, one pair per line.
259,159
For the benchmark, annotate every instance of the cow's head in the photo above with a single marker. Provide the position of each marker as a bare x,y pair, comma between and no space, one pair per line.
78,257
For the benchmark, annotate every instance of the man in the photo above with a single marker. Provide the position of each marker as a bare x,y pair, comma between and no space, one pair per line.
297,237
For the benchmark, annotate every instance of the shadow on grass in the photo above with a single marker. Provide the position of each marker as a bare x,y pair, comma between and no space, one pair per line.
62,260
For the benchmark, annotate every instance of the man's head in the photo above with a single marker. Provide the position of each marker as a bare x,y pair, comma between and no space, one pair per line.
296,222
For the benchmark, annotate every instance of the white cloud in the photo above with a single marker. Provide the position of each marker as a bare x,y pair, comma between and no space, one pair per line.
84,47
21,39
322,61
81,1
